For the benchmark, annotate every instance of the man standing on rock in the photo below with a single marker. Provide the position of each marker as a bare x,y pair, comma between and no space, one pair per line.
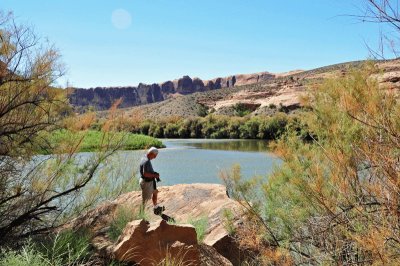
148,180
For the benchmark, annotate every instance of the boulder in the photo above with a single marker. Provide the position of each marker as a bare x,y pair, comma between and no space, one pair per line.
210,257
184,203
228,248
389,79
149,244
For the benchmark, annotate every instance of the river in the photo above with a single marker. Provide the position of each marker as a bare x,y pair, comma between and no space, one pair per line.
186,161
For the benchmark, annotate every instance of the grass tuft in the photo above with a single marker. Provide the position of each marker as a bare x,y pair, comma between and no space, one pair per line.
66,248
228,221
124,215
26,256
200,226
177,260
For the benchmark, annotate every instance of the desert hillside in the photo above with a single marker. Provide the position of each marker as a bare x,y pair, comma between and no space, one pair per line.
265,96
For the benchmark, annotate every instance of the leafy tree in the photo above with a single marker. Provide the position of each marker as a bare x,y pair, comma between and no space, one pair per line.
208,126
171,130
233,128
220,128
38,193
202,110
249,130
144,127
272,128
184,128
156,130
196,128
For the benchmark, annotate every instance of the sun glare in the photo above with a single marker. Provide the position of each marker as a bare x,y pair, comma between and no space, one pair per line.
121,19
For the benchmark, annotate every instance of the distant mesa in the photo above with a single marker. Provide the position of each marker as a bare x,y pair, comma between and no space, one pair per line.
261,93
102,98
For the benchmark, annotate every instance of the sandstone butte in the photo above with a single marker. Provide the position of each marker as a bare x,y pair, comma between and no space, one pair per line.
285,87
147,242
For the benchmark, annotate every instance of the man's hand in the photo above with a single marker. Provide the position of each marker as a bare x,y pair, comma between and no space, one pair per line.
158,177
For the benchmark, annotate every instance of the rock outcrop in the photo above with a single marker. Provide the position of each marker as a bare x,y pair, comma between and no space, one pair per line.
228,248
184,203
168,87
149,244
210,257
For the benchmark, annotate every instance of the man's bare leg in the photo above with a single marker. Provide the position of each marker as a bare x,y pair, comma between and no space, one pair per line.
154,198
142,208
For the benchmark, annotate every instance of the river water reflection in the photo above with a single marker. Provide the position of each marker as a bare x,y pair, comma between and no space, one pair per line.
201,160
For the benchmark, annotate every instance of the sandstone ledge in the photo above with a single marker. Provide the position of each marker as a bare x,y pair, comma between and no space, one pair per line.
183,202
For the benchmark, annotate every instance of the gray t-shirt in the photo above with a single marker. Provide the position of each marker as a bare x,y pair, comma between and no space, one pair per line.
145,166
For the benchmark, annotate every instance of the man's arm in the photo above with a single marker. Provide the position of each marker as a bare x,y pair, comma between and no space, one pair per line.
151,175
148,171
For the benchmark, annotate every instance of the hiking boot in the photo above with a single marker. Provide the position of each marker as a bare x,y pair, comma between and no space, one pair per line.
158,210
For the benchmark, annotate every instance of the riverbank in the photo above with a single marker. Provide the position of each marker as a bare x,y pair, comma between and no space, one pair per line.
93,140
214,126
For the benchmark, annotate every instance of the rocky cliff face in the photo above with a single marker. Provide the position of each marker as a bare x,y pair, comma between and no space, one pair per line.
102,98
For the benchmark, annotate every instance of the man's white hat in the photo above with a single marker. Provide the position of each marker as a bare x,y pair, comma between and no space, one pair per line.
152,150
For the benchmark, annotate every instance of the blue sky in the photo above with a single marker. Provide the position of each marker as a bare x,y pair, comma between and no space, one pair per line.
200,38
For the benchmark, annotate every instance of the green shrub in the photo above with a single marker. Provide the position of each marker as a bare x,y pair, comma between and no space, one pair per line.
26,256
156,130
184,128
241,109
196,127
171,130
283,108
95,140
233,128
249,130
273,127
200,226
122,216
228,221
218,127
67,247
331,200
145,127
202,110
